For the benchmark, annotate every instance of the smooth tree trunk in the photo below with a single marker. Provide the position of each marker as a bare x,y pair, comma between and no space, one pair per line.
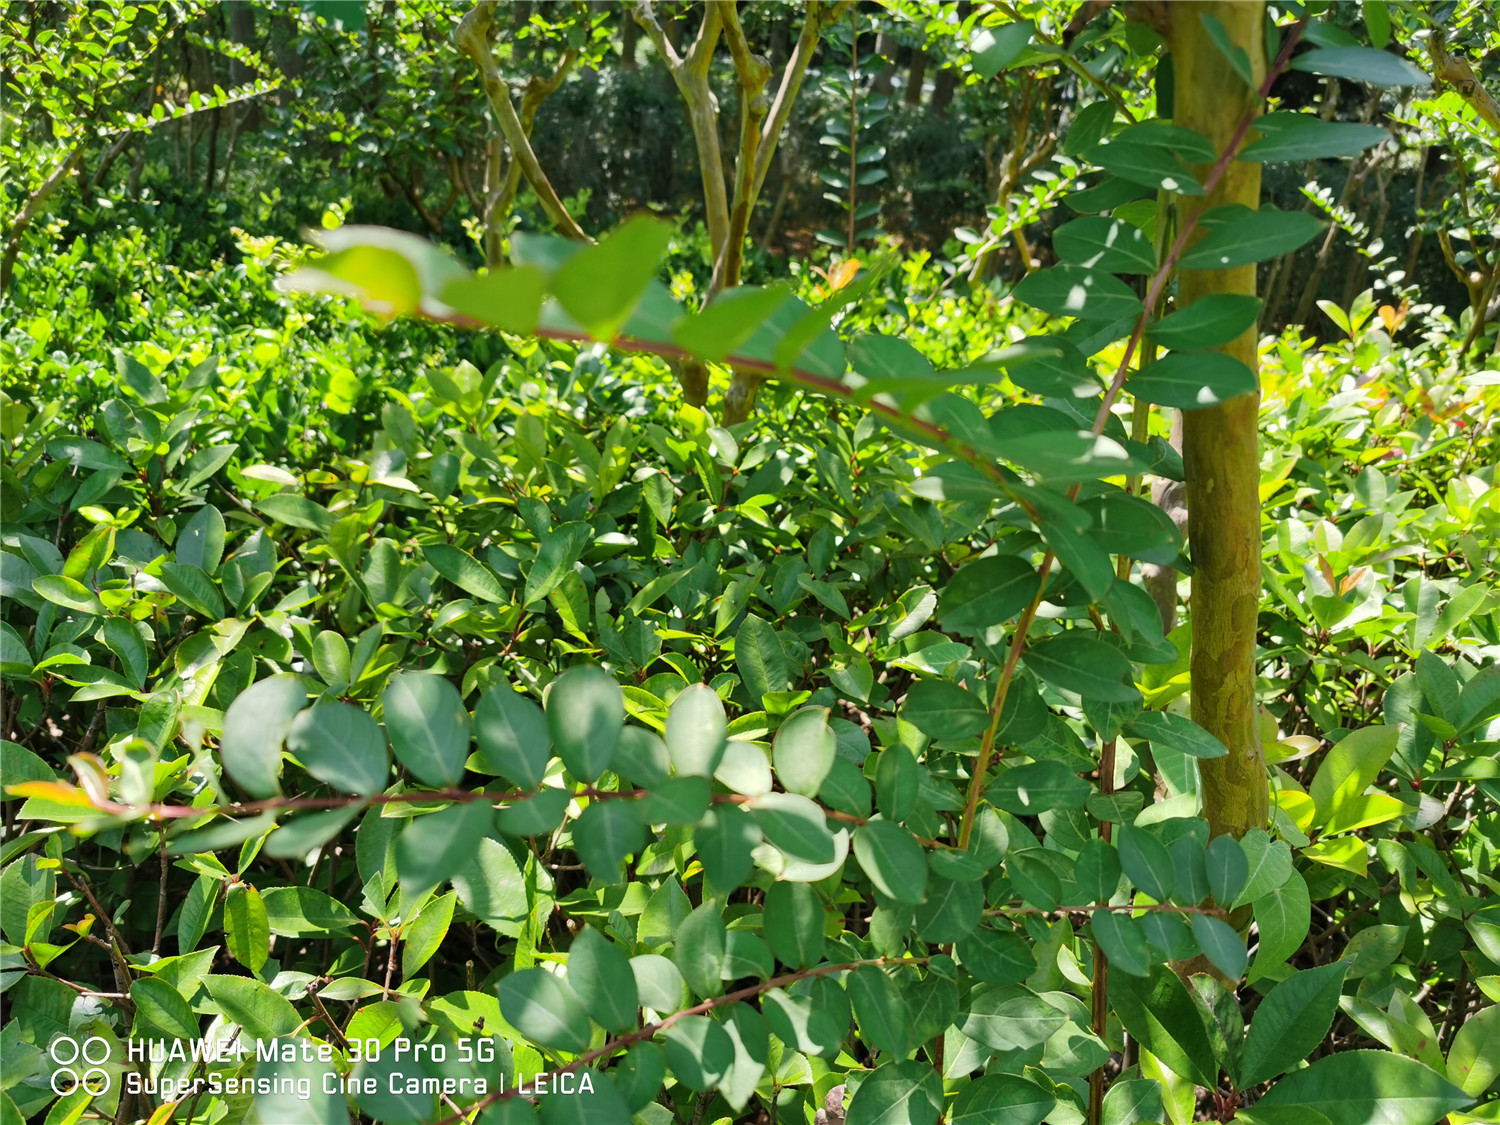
1220,443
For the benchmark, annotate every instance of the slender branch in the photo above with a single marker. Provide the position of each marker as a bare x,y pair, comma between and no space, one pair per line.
28,213
471,36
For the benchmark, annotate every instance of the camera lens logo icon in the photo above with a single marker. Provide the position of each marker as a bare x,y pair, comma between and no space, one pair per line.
78,1064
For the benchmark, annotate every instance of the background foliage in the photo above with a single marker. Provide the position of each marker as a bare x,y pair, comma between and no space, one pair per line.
381,683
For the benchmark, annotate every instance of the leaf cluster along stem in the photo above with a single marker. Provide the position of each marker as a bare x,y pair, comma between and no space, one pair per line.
749,992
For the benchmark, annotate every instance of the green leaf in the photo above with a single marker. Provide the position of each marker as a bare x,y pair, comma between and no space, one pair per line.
1368,1088
1270,865
900,1093
658,982
84,454
297,511
1192,380
194,589
1082,554
793,924
1123,941
1106,244
1036,787
340,744
951,910
585,713
1010,1018
699,1052
512,735
465,572
1474,1058
1089,127
897,783
1006,1098
942,709
422,938
1133,1100
554,561
1149,165
544,1008
1293,137
803,751
985,593
696,731
508,299
1290,1022
1088,294
200,543
725,839
279,1084
161,1008
698,951
1146,861
1235,235
428,727
247,935
728,321
995,48
996,957
262,1012
884,1022
759,658
1361,64
1175,731
600,975
893,860
295,911
1228,869
1160,1014
1047,365
605,834
1351,767
68,593
600,286
677,800
1221,945
1079,662
1208,322
1282,916
1236,57
433,847
255,725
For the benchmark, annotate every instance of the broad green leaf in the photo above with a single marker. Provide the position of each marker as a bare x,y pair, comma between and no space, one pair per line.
678,800
1368,1088
1082,555
996,957
996,48
1161,1015
985,593
544,1008
803,751
658,983
585,713
600,285
1088,294
554,560
1192,380
605,834
1361,64
1351,767
1146,861
1079,662
1474,1058
508,299
262,1012
1149,165
1282,916
1221,945
951,910
1228,869
465,572
1001,1097
641,758
699,1052
893,860
759,658
1175,731
161,1008
279,1084
942,709
1235,56
297,511
295,911
422,938
1235,235
1270,865
698,951
255,725
200,543
1010,1018
1097,870
1207,323
428,727
68,593
1123,941
1089,127
1294,137
728,321
725,839
1290,1022
897,782
1047,365
696,731
1106,244
1133,1100
792,920
898,1093
600,976
512,736
434,847
194,589
1036,787
340,744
